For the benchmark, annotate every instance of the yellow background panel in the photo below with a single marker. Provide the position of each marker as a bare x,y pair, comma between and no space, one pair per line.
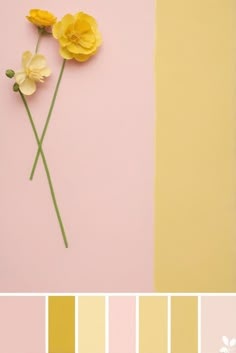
195,146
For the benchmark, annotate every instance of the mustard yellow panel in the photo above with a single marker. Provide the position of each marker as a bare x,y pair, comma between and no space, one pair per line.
195,146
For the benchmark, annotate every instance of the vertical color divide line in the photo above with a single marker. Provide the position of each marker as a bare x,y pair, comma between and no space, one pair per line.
92,324
153,335
195,146
199,324
61,324
137,325
122,324
76,325
184,324
107,324
46,324
169,324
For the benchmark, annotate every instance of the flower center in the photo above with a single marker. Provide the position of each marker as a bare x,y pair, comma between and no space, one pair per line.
75,37
34,75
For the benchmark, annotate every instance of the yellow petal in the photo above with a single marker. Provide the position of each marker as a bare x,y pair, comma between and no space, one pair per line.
98,38
64,41
26,57
82,26
38,61
33,12
28,87
67,20
82,58
87,40
57,30
66,54
72,48
20,77
83,16
46,72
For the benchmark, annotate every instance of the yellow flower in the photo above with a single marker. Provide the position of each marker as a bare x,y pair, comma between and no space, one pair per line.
34,69
78,36
41,18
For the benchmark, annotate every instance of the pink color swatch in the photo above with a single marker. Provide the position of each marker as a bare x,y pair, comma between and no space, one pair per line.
100,150
22,324
218,319
122,324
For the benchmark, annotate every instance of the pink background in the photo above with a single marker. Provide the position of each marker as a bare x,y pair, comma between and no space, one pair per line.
122,324
218,319
22,324
100,150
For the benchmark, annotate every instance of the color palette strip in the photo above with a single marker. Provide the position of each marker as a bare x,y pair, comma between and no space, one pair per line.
195,146
112,324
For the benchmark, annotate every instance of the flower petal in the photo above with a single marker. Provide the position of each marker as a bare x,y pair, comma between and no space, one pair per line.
72,48
20,76
26,57
225,340
57,30
46,72
38,61
28,87
67,20
82,57
66,54
224,350
64,41
232,342
85,17
82,26
87,40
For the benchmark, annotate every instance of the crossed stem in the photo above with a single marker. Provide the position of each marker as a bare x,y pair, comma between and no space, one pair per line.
46,168
48,119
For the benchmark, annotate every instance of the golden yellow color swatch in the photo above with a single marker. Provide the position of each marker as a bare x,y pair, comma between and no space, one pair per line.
153,325
195,146
184,324
91,324
61,324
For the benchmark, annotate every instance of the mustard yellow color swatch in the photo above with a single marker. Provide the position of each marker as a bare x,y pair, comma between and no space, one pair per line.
153,325
184,324
195,146
61,325
91,324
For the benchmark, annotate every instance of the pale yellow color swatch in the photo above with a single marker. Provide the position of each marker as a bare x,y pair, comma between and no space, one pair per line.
61,324
153,325
195,146
91,324
184,325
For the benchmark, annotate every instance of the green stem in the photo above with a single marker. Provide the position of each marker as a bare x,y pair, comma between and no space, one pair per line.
48,119
40,31
46,170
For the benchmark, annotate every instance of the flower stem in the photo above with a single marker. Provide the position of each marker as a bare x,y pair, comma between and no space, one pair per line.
40,32
48,119
46,170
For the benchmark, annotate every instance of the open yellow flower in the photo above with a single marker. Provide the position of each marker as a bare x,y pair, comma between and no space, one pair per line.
34,69
78,36
41,18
